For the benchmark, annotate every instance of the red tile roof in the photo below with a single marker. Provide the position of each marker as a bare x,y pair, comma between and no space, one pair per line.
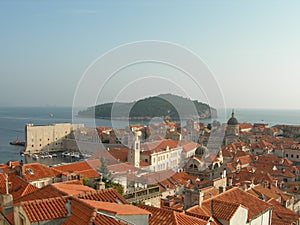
84,168
169,217
115,208
254,205
224,210
105,195
83,214
18,187
158,146
121,168
56,190
35,171
73,189
45,209
119,153
280,213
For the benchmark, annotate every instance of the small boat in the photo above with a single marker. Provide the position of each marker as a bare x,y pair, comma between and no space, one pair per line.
85,155
65,154
54,155
35,156
17,142
48,156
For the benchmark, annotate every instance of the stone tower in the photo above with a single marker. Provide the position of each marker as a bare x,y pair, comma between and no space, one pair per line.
134,152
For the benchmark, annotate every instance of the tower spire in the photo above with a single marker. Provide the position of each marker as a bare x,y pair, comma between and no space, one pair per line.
232,114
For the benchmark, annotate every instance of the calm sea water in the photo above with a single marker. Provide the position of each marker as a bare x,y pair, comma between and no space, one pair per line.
13,120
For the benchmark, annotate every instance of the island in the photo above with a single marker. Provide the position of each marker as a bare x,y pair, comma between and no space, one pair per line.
166,106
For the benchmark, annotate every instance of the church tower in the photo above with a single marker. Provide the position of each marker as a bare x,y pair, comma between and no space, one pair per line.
232,126
134,152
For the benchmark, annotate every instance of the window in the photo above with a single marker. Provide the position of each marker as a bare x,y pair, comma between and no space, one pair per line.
292,156
32,145
286,155
40,145
297,156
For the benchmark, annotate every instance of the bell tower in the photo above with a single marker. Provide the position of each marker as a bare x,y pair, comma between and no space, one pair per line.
134,152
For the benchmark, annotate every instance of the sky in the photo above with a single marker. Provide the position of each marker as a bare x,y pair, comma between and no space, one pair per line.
252,48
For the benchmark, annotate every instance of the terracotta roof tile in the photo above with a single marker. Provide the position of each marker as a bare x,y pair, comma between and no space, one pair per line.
84,168
283,214
83,214
56,190
45,209
170,217
115,208
42,193
35,171
18,187
254,205
224,210
73,189
105,195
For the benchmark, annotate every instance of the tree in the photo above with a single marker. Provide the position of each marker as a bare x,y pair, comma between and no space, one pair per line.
85,180
106,174
118,187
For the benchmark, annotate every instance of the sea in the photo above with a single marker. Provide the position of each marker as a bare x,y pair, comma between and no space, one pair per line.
13,120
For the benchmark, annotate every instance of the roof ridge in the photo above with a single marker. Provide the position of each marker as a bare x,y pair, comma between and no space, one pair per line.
43,200
230,203
174,214
223,193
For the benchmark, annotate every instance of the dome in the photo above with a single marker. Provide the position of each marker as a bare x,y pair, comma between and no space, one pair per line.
201,150
232,120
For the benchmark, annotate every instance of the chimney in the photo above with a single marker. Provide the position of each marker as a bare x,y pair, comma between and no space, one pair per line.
221,189
22,169
224,173
6,200
80,178
201,198
230,181
276,183
100,185
212,207
187,198
68,205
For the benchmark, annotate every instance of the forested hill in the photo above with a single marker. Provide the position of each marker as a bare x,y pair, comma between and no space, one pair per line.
167,106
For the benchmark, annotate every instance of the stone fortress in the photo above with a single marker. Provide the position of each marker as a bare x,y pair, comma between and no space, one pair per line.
50,138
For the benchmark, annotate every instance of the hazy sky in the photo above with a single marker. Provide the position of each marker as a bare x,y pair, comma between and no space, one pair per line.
252,47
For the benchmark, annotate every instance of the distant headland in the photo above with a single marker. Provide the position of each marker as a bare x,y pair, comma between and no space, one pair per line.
167,106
